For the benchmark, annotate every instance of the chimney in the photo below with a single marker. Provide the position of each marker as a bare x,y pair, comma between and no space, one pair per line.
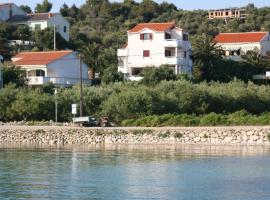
10,10
50,15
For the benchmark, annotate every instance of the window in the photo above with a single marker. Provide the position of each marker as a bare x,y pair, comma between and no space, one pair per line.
185,54
37,26
146,36
185,37
227,13
40,72
65,29
146,53
168,53
168,36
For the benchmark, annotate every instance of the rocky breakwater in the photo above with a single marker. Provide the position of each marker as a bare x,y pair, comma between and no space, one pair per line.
72,135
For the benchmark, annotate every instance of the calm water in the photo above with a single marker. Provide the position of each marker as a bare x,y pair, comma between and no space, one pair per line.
135,172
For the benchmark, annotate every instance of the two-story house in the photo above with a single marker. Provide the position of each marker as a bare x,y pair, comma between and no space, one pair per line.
236,45
14,14
155,44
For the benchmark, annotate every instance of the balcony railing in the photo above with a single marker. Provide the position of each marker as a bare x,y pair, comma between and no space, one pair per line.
40,80
173,43
122,52
172,61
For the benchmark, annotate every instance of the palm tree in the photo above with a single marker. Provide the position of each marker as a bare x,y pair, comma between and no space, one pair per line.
256,59
205,52
90,54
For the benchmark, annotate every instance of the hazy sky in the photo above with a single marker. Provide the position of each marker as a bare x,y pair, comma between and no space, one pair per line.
184,4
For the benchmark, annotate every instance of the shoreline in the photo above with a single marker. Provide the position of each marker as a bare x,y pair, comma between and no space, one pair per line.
68,135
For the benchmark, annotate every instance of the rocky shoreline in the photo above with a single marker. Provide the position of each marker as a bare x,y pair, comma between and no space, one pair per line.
73,135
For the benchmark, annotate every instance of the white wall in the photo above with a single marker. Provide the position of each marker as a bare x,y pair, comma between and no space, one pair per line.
156,46
32,24
60,23
4,12
67,67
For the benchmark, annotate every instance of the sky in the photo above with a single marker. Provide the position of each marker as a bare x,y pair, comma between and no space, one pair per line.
183,4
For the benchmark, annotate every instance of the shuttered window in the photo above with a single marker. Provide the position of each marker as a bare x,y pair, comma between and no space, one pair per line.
146,36
146,53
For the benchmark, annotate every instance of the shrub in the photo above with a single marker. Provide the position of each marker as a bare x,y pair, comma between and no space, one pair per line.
178,135
268,137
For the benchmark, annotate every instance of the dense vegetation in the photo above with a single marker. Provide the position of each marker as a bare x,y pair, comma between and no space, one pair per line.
123,101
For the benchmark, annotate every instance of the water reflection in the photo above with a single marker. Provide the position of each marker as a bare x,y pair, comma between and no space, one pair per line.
134,172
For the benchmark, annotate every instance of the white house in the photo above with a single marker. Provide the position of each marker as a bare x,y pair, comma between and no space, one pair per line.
42,21
57,67
155,44
7,10
11,13
236,45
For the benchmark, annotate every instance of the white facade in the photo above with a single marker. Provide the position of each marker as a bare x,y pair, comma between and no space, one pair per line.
64,71
235,50
8,10
54,19
169,47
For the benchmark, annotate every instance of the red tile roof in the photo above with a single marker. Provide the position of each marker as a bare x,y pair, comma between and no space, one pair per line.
153,26
239,37
39,58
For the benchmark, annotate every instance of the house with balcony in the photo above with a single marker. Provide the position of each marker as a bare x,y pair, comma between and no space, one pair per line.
155,44
235,45
62,68
12,13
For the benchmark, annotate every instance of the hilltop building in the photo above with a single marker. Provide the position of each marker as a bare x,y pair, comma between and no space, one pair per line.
230,13
11,13
236,45
61,68
155,44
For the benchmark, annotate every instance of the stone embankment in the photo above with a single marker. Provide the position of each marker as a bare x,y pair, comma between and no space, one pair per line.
71,135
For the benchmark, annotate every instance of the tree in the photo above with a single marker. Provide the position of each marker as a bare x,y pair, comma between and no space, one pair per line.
257,60
90,54
45,7
205,51
111,75
14,75
153,75
26,9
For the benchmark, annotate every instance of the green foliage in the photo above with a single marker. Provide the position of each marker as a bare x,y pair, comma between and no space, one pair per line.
164,135
14,75
178,135
154,75
44,7
268,137
111,75
26,9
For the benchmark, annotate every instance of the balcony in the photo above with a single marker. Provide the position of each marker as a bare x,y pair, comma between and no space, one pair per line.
122,52
40,80
173,43
172,61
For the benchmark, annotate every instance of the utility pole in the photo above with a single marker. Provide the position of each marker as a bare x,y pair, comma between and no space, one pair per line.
81,88
1,74
56,105
54,37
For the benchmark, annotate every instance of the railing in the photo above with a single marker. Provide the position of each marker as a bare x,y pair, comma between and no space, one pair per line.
40,80
173,61
173,43
122,52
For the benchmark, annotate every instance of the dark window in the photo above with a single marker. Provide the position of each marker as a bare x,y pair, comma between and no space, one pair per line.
37,26
40,73
185,37
227,13
168,36
185,54
65,29
168,53
146,53
146,36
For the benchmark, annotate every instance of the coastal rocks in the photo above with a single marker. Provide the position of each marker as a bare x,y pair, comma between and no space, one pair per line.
73,135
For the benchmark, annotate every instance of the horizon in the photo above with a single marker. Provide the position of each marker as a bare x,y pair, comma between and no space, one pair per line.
190,5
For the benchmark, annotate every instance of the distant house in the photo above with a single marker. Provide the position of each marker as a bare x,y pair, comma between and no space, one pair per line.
155,44
14,14
7,10
58,67
236,45
228,13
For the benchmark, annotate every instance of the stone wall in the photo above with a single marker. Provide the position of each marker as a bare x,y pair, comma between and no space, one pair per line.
71,135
